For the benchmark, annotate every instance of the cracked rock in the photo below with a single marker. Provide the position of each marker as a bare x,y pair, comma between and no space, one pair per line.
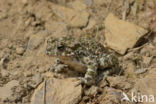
121,35
57,91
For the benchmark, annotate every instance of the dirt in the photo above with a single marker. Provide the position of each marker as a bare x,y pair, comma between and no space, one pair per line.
25,26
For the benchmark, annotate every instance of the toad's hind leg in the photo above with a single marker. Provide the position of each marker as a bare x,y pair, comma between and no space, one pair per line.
91,73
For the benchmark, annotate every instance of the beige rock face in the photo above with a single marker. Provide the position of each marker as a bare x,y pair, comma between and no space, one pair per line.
72,17
121,35
111,96
5,91
57,91
147,85
20,50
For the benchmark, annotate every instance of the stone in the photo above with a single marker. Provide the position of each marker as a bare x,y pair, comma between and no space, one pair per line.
4,73
89,2
101,2
91,24
24,2
6,90
36,80
119,82
61,2
56,28
130,68
147,60
35,41
78,5
57,91
147,85
20,50
92,91
121,35
110,96
80,20
70,16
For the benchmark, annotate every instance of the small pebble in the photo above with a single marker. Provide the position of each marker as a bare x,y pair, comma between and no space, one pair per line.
89,2
4,73
20,50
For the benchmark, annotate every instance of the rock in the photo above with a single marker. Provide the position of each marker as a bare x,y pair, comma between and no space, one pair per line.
20,50
111,96
92,91
119,83
80,20
36,80
61,2
147,85
4,73
153,65
130,68
147,60
101,2
56,28
71,17
89,2
91,24
24,2
57,91
78,5
121,35
6,90
3,60
35,41
150,4
103,84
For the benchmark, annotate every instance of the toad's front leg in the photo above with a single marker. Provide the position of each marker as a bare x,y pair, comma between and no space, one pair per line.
110,62
59,66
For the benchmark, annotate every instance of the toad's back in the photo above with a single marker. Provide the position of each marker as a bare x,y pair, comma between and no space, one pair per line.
86,51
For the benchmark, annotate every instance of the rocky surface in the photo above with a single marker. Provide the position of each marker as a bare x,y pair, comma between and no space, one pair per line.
147,85
57,91
6,90
25,26
121,35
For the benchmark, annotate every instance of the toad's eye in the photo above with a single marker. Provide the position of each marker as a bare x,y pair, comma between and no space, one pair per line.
61,48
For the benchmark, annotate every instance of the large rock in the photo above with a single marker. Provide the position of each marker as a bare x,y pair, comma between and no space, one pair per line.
147,86
121,35
74,18
6,90
119,82
57,91
110,96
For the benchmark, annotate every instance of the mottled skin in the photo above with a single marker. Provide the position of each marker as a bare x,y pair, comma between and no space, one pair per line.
87,52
